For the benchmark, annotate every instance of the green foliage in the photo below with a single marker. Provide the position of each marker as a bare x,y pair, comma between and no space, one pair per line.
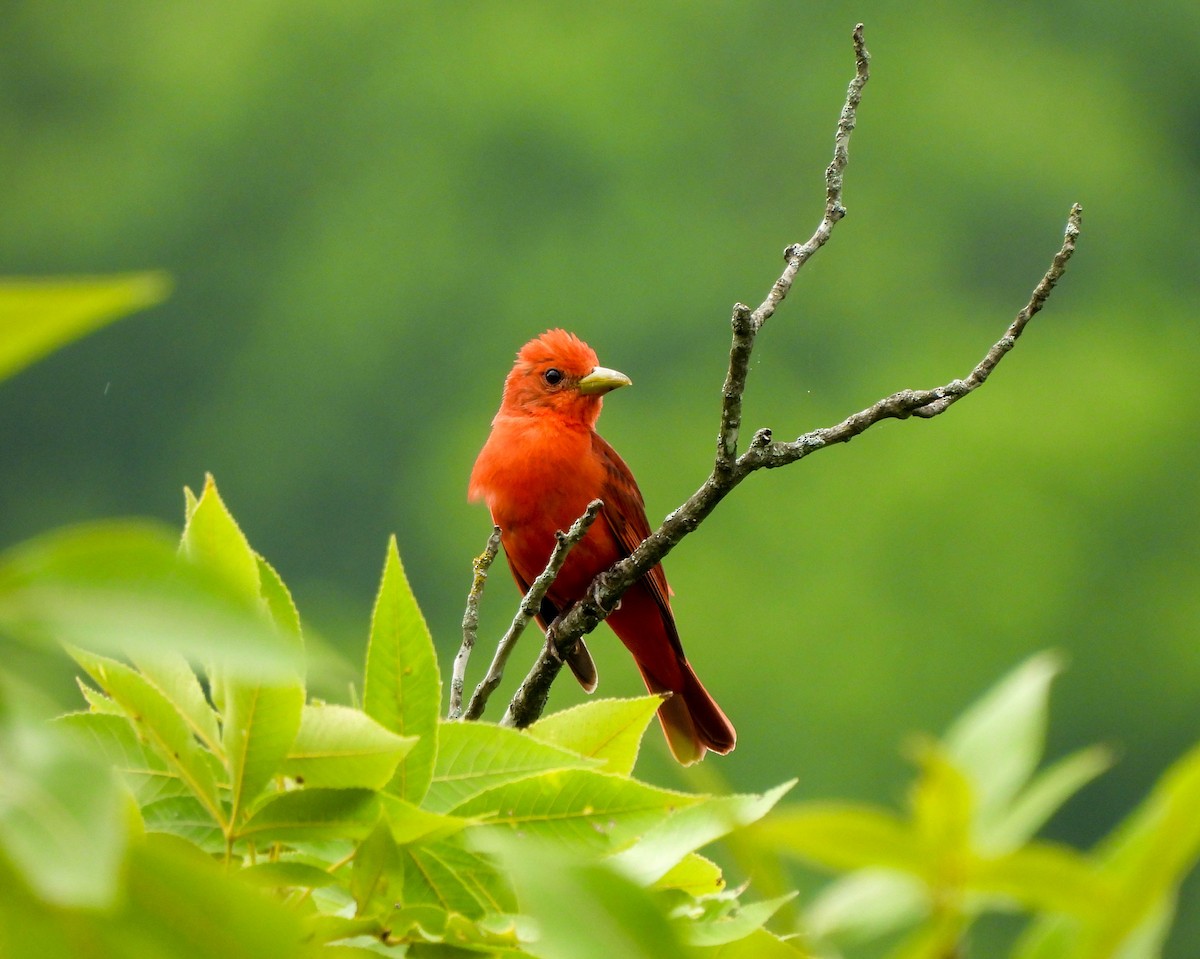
202,805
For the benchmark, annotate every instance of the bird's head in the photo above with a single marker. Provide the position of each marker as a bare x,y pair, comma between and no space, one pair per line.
558,373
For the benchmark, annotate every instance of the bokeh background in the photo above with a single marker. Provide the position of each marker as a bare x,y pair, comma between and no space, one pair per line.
367,208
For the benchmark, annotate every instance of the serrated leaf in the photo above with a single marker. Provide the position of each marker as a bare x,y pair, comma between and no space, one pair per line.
845,836
402,688
185,817
142,770
159,724
998,742
311,815
259,727
473,757
579,808
664,845
610,730
277,597
343,747
213,539
61,822
123,586
867,904
694,875
737,924
454,879
37,316
97,701
171,675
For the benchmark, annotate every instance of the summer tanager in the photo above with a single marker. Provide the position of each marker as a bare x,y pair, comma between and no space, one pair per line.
540,467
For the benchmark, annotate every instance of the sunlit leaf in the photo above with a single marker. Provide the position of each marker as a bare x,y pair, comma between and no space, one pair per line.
412,823
39,316
402,689
606,729
160,725
1045,878
694,875
473,757
343,747
943,804
666,843
170,673
582,809
760,944
185,817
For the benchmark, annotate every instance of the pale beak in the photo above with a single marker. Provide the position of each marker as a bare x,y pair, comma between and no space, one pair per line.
602,380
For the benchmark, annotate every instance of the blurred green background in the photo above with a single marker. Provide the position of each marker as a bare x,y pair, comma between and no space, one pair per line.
367,208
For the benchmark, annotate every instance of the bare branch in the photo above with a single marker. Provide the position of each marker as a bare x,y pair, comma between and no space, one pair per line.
530,606
729,468
470,621
746,324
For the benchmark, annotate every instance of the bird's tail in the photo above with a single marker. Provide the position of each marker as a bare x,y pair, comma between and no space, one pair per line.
691,719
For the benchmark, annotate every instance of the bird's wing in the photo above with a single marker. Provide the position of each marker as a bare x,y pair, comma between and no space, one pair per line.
625,513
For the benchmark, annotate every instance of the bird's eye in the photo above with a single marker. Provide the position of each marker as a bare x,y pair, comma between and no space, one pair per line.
553,376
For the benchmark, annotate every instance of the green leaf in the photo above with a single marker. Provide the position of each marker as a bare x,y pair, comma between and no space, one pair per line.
277,597
61,818
185,817
607,729
867,904
473,757
311,815
943,804
760,944
375,861
260,720
608,915
736,924
582,809
143,771
667,843
171,675
845,836
1043,796
259,728
287,874
159,724
999,741
182,904
455,879
694,875
1045,878
411,823
97,701
402,689
39,316
343,747
213,539
122,586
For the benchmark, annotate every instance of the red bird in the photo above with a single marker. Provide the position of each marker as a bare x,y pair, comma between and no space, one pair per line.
540,467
